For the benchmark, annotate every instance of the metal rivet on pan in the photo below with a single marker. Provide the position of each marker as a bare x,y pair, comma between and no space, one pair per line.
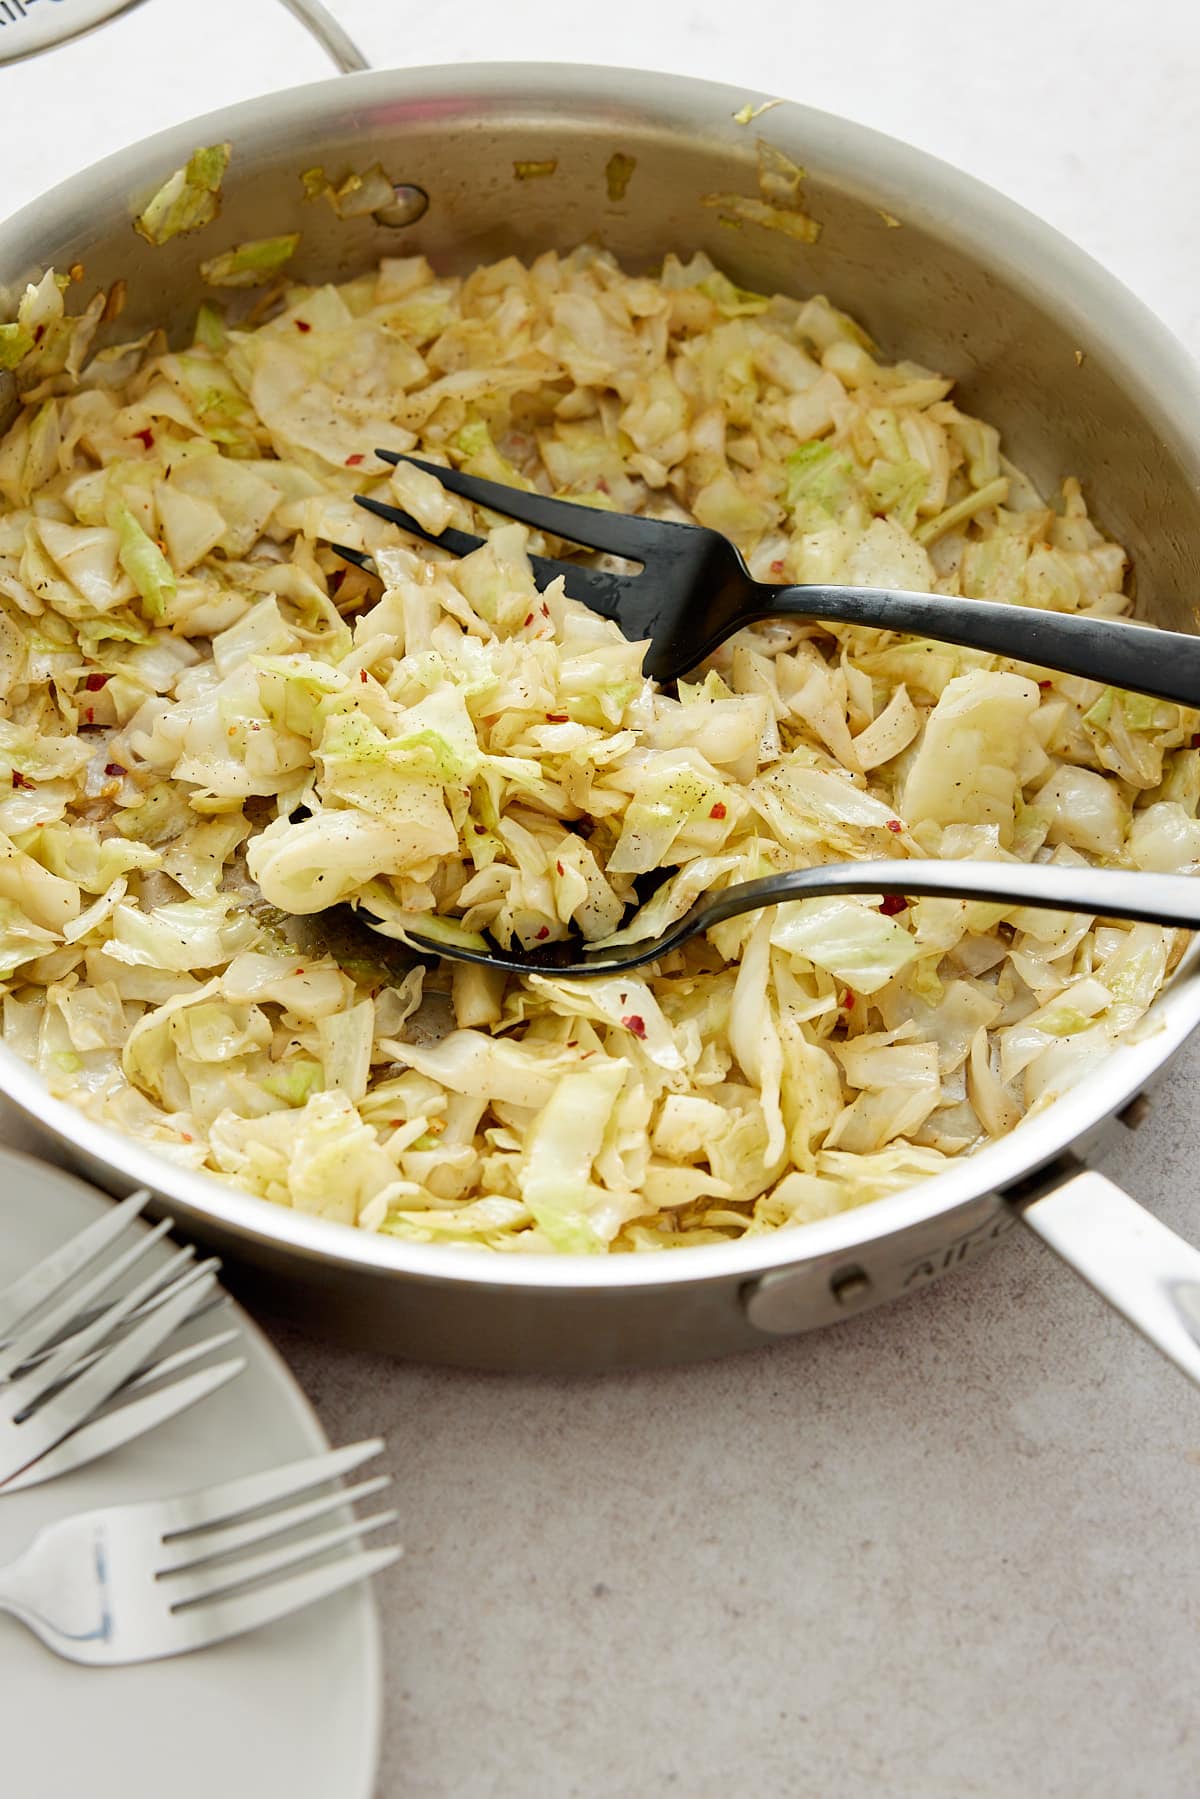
411,203
1135,1114
850,1286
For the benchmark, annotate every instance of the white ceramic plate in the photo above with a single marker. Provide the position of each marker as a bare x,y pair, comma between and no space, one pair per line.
289,1712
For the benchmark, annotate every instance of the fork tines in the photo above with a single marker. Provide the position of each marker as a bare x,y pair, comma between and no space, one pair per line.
215,1588
169,1576
85,1365
616,533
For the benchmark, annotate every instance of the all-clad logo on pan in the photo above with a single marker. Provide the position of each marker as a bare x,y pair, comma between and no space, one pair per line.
960,1249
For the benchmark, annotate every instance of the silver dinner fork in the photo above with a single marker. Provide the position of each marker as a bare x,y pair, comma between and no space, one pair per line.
86,1363
135,1583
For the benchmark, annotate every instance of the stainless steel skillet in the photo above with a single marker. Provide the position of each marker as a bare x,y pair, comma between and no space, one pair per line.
968,283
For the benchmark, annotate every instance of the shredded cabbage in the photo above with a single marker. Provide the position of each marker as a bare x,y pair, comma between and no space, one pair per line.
189,198
212,732
250,264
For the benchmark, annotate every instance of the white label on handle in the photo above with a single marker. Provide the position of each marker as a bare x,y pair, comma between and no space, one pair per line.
30,25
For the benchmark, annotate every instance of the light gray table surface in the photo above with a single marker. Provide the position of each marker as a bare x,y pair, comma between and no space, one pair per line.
945,1550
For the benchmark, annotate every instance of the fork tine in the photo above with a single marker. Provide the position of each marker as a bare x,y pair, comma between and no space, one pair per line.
194,1512
121,1425
196,1271
619,533
204,1582
359,558
39,1283
230,1617
79,1402
459,543
22,1348
199,1551
597,588
171,1365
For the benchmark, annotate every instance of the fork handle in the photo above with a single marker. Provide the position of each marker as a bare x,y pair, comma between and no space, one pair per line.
1165,664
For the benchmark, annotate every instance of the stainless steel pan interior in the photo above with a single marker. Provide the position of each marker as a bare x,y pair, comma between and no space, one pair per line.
1076,373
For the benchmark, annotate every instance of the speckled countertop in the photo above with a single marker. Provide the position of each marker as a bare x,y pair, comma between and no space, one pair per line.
947,1549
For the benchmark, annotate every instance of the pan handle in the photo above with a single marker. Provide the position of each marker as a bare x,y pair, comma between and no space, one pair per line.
336,42
1132,1259
24,33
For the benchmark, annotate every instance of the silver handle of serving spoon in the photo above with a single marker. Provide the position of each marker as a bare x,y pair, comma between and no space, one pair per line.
1171,900
1112,651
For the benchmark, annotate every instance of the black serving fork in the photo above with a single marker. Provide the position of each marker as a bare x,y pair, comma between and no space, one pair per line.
694,591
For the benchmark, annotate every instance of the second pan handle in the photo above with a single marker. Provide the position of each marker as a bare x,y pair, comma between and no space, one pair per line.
24,33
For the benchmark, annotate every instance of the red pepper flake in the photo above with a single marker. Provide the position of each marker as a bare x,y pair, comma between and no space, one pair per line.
573,1043
543,933
893,903
297,971
90,715
1045,684
114,769
545,611
20,780
558,718
635,1024
529,618
186,1137
481,830
778,566
302,325
94,683
847,1001
893,824
353,461
362,675
719,810
602,484
146,437
560,868
396,1123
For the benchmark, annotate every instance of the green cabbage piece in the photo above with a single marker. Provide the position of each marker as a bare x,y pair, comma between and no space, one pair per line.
143,562
855,942
556,1178
15,344
188,199
250,264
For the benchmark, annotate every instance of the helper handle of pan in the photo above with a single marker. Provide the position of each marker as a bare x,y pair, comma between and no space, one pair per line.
24,33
